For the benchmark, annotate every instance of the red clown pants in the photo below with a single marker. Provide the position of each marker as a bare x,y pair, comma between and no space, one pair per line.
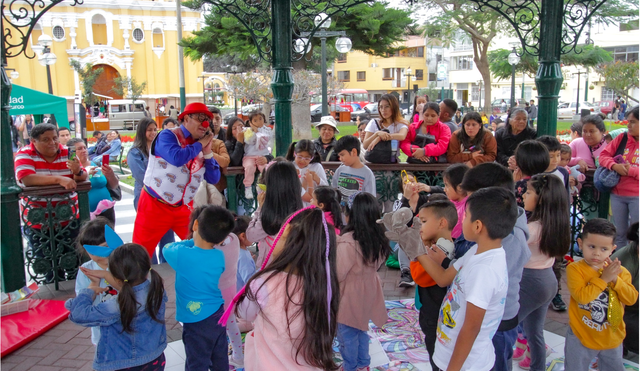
155,218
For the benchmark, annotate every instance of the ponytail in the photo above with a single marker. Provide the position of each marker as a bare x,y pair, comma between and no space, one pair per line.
290,152
155,296
130,264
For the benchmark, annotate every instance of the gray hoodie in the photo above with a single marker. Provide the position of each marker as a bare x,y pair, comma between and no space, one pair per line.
518,254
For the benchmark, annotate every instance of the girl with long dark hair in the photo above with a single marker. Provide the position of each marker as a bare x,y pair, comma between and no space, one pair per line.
293,301
281,198
362,248
132,328
328,200
549,238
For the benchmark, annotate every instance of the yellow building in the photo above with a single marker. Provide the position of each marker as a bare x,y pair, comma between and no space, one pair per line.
379,75
125,38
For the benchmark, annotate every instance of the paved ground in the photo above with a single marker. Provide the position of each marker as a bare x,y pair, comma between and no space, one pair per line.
68,346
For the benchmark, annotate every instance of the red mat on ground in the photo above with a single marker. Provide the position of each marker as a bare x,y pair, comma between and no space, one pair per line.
20,328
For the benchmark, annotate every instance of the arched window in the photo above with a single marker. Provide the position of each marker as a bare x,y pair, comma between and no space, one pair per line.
158,39
99,28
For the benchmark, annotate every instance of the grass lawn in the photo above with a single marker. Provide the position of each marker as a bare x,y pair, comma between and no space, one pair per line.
128,180
566,125
344,130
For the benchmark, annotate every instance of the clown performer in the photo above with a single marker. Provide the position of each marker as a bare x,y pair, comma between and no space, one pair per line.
179,160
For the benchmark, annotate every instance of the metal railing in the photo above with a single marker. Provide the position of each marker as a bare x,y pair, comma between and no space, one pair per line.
588,204
51,220
387,181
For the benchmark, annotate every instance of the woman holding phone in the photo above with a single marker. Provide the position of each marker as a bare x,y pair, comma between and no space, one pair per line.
105,187
112,148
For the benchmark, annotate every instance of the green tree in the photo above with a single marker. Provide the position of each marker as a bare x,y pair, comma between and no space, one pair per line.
373,28
588,56
451,16
128,87
620,77
88,76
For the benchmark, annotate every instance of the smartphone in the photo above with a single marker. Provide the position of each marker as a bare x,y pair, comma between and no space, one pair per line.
105,159
72,154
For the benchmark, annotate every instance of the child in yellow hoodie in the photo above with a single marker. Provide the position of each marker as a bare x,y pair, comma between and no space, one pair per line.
599,290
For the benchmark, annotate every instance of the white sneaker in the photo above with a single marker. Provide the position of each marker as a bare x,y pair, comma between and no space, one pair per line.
248,193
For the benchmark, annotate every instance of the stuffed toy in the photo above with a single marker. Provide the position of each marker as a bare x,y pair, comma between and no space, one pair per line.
408,239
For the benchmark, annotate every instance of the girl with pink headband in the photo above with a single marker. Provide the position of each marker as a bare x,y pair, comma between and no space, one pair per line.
299,276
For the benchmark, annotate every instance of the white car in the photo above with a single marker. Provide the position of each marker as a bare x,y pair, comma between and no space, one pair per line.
566,110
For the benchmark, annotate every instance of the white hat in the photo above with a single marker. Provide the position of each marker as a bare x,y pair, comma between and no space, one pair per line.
328,120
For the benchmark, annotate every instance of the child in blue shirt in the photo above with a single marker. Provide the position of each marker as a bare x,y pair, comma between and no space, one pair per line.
199,304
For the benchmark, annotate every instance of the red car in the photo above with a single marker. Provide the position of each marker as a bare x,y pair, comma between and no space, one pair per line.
605,106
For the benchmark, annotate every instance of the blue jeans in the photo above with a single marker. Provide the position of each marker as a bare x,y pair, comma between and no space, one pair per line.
503,342
205,344
354,347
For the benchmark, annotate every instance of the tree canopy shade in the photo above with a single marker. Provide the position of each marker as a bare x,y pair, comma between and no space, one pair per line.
620,77
588,56
373,28
88,77
128,87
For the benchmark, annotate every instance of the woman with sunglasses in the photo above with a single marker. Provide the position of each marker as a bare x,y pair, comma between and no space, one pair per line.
179,160
310,170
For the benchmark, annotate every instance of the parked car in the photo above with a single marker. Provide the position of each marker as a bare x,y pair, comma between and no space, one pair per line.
567,110
370,111
351,106
496,105
316,111
605,106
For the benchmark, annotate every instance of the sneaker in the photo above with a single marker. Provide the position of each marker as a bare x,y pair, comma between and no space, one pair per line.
558,304
237,363
406,280
525,363
521,348
248,193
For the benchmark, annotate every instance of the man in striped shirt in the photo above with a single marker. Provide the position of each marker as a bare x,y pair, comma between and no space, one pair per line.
46,162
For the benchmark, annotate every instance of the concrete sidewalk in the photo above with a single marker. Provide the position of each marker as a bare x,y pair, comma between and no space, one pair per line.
68,346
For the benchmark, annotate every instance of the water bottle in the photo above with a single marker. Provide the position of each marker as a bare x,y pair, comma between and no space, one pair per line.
394,151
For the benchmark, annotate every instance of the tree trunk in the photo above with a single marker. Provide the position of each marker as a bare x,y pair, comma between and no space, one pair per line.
481,60
301,120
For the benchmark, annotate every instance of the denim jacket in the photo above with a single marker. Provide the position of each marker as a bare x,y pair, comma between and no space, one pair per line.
118,349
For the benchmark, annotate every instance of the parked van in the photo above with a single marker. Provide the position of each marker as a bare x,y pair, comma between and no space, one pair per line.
125,115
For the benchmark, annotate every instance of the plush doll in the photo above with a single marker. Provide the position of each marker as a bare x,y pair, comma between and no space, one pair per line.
408,239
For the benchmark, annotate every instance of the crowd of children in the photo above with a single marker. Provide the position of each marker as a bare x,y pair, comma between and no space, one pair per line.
485,252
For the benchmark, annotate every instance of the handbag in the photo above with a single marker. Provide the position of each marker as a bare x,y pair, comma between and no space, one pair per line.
421,140
604,179
382,153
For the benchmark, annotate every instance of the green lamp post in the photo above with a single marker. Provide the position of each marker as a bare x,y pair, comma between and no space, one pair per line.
558,34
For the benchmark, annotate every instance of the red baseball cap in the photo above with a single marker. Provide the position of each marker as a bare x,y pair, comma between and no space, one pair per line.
196,107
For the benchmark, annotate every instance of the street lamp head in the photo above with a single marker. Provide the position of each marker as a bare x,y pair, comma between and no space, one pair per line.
343,45
514,58
48,59
14,75
408,71
45,40
301,46
234,68
323,21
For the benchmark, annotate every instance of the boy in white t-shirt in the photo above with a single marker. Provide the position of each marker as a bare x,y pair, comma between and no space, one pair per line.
472,309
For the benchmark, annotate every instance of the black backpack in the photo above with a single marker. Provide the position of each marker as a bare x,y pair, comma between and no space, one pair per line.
382,152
